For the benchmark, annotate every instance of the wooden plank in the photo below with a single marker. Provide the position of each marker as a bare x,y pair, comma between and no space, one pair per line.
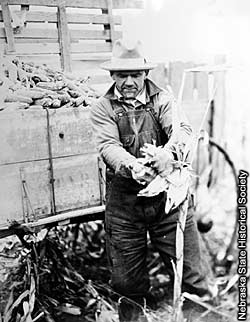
99,57
76,182
53,48
64,39
53,58
22,130
74,216
19,135
76,18
111,21
74,158
125,4
101,4
11,190
71,132
53,34
8,33
76,186
35,40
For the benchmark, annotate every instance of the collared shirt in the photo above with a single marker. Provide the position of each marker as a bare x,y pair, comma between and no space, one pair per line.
137,101
106,129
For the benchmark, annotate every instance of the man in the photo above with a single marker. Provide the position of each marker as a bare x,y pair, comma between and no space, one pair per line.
133,112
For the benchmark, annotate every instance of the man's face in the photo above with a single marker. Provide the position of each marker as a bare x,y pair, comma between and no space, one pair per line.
129,83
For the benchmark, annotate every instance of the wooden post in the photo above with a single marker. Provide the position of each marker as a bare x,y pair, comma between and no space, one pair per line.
8,26
110,25
178,267
111,21
63,37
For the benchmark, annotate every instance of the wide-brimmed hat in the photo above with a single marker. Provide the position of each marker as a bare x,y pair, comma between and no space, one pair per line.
127,56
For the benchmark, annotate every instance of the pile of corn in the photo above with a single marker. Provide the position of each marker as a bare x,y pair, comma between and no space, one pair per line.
26,85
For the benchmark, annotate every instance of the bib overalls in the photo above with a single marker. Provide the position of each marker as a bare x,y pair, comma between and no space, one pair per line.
129,218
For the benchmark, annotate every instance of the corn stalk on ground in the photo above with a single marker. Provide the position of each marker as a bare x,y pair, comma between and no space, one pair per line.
62,275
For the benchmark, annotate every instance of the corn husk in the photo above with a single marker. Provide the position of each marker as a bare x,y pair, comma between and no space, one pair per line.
175,180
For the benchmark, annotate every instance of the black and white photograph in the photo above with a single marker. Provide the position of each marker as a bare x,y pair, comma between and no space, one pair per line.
124,160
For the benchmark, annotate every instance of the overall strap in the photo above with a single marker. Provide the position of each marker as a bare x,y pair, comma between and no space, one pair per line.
118,109
150,109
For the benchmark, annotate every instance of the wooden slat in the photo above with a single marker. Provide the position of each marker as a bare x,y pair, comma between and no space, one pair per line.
76,182
53,48
23,138
7,25
91,56
34,33
111,20
72,216
76,186
37,183
91,47
101,4
20,132
53,34
35,41
45,58
77,18
64,39
78,136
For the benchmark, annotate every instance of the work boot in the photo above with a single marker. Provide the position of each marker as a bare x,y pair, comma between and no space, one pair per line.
130,311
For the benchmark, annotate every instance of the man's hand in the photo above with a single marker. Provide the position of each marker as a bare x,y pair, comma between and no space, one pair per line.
140,172
162,162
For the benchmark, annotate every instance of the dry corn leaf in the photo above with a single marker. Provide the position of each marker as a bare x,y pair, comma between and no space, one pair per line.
27,314
69,309
17,302
106,315
32,293
8,311
90,303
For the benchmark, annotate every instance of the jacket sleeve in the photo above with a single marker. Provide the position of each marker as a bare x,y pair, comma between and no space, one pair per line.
107,135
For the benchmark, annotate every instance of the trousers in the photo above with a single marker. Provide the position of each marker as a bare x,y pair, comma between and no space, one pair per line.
128,221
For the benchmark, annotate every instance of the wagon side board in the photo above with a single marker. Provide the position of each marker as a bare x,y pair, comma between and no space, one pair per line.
32,144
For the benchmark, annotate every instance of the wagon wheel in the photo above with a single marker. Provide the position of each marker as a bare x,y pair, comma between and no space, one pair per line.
216,203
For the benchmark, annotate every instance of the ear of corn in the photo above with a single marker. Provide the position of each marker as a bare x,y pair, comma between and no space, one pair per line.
175,180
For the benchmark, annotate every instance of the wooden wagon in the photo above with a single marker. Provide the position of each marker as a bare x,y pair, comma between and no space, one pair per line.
49,166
